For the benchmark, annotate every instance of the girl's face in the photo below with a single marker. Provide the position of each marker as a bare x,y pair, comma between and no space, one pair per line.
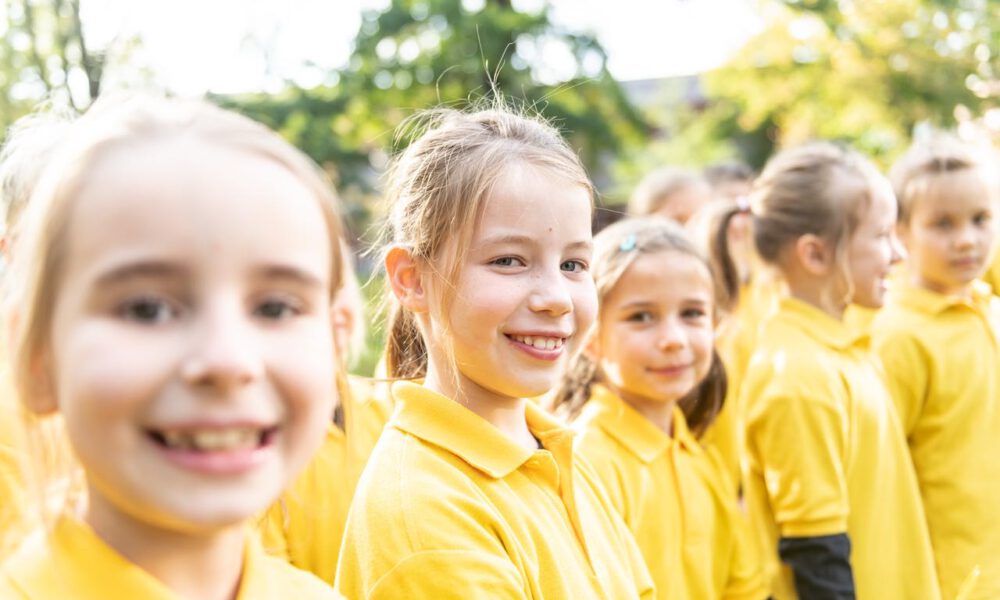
524,298
949,237
655,335
873,248
191,350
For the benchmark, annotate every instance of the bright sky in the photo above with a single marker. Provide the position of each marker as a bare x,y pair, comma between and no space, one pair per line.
194,46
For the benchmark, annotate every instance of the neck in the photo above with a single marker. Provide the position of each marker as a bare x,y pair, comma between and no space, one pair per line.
657,412
818,296
963,292
195,565
503,412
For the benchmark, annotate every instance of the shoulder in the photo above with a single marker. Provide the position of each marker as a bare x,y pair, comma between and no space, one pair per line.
282,580
417,496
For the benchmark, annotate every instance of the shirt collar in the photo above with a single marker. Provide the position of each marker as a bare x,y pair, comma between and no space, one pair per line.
445,423
820,325
634,431
932,302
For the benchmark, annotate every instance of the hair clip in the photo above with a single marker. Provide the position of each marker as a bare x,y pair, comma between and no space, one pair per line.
743,204
628,244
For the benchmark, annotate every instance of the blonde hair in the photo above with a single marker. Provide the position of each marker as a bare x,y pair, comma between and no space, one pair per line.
927,169
615,249
655,189
437,189
819,188
110,124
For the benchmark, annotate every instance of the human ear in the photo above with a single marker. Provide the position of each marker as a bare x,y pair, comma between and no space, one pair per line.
406,279
813,254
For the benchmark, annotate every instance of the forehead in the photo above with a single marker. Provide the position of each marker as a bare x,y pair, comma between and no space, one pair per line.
956,191
534,199
663,275
184,196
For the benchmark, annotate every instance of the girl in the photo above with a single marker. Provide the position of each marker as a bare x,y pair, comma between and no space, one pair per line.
473,491
829,483
938,338
671,192
306,525
174,283
647,386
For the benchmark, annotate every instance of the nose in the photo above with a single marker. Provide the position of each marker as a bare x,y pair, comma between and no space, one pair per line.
671,335
896,251
550,292
966,237
223,356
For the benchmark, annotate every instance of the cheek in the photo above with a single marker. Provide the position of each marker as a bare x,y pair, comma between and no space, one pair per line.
585,304
105,366
702,345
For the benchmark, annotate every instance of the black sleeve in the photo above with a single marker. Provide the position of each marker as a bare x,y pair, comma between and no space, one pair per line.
821,564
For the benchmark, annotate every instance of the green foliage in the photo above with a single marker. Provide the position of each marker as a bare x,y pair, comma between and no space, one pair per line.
43,56
863,72
418,54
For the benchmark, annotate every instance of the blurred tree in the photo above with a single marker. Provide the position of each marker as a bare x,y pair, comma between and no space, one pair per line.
417,54
864,72
44,55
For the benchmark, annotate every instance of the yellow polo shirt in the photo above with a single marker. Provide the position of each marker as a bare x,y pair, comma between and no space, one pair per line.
942,361
992,274
450,507
736,340
13,489
307,524
827,455
676,500
74,563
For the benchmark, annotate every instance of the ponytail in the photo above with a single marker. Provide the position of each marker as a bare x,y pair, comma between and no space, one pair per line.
406,354
720,258
574,389
704,403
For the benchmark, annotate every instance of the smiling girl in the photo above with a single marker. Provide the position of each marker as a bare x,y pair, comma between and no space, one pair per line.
472,490
174,284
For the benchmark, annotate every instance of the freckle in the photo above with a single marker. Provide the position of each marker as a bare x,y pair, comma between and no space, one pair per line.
550,230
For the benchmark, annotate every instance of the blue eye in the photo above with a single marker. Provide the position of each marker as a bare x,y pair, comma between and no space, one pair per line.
147,310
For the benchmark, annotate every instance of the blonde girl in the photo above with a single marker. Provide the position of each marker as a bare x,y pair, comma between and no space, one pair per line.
472,490
172,299
646,388
672,192
938,338
830,485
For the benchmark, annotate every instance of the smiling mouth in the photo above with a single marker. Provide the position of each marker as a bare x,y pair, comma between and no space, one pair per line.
539,342
215,439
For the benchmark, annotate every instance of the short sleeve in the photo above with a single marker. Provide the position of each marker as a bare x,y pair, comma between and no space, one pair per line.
449,575
798,442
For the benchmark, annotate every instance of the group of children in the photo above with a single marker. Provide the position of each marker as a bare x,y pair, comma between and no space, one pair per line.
685,405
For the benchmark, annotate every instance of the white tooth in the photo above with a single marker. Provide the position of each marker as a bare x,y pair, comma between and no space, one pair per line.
540,343
550,344
208,439
559,342
529,340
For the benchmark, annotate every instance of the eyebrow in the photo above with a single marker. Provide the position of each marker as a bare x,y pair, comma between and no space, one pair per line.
164,269
517,238
148,269
290,273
